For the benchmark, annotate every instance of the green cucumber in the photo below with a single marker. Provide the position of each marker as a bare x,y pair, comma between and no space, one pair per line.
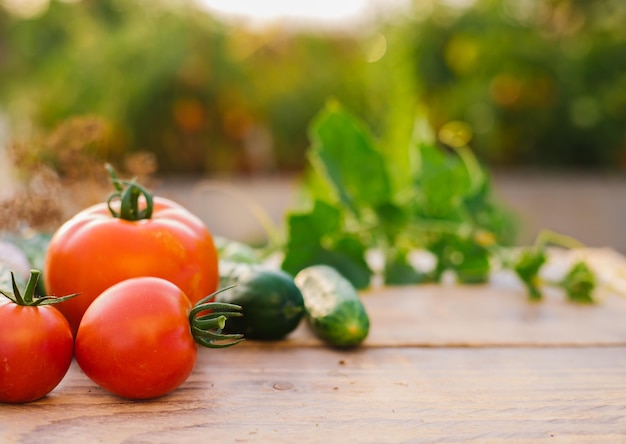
334,309
271,303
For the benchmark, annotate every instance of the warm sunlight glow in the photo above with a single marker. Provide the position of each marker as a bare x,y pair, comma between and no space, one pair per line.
25,8
328,11
268,9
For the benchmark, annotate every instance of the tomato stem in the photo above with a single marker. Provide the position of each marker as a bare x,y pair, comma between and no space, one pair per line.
128,192
208,318
29,298
29,291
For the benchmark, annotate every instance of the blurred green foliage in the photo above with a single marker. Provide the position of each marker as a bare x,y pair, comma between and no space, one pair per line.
536,82
539,82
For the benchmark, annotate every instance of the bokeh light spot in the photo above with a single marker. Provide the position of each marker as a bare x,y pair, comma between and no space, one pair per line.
377,48
455,134
505,89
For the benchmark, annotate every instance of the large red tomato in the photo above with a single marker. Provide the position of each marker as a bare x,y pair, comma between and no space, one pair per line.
36,347
107,243
138,338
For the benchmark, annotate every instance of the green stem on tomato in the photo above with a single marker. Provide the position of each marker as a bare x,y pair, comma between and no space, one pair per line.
129,193
29,299
207,319
29,291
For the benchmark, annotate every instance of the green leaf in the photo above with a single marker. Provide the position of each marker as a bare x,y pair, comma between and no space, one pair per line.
326,218
347,256
343,151
579,283
398,270
317,237
305,235
443,180
469,260
487,214
391,220
527,268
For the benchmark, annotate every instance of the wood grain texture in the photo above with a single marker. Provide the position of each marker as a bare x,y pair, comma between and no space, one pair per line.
498,313
443,363
270,393
484,315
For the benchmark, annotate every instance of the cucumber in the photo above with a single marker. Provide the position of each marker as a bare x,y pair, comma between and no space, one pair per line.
271,303
334,310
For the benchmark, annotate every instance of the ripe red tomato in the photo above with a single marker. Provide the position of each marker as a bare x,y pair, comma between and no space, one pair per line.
135,340
94,250
36,350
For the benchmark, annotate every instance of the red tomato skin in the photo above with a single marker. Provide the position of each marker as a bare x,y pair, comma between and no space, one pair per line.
135,340
93,250
36,350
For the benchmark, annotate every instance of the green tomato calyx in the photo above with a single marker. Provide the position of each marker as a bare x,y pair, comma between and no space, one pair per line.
128,193
29,299
208,318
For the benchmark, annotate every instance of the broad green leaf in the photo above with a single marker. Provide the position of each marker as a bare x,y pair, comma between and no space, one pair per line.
442,180
347,255
325,218
392,220
303,243
485,213
317,237
343,148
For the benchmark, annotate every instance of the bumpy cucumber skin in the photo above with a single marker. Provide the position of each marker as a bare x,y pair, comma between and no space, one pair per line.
272,304
334,309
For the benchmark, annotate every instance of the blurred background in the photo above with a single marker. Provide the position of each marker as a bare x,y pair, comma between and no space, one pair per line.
196,89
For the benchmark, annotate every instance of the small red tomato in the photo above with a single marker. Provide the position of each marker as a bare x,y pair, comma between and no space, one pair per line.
36,348
136,341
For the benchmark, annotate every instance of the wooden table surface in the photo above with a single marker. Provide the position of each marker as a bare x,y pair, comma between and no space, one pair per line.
443,363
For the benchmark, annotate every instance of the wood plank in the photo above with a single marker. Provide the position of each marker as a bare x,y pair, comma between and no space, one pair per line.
483,315
269,393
